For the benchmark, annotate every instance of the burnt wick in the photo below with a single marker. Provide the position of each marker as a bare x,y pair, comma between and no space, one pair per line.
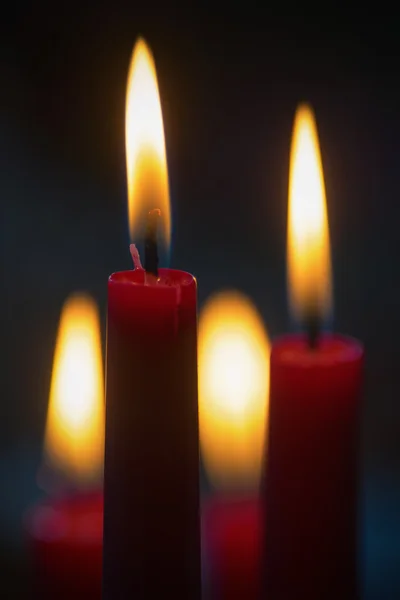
150,243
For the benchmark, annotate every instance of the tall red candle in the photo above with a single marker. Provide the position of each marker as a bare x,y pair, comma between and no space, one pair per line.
151,486
151,474
315,390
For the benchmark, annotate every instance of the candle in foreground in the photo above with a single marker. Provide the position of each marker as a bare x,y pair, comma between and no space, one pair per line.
151,475
233,409
311,487
65,530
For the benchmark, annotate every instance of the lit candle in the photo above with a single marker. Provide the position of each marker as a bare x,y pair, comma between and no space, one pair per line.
65,531
311,492
151,475
233,403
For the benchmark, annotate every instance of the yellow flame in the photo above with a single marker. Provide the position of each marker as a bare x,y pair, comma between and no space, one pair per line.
308,246
74,440
146,160
233,389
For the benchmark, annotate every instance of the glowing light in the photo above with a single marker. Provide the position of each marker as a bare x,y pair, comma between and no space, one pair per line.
308,246
146,161
74,440
233,389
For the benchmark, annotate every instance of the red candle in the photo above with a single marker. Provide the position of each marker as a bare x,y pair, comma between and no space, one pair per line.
64,532
312,469
151,474
233,395
232,533
311,488
65,537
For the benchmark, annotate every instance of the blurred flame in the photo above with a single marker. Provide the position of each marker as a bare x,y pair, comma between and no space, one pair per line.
233,389
146,161
308,246
74,440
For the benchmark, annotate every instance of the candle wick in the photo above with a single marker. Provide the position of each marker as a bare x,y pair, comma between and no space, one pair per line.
150,243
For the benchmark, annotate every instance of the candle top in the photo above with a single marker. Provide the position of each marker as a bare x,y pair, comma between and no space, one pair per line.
167,278
154,306
331,350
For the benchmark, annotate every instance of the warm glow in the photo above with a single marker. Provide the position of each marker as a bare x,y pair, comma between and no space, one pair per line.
146,160
309,263
233,389
74,440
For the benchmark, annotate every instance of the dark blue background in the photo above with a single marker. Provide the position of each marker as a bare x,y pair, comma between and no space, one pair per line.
229,82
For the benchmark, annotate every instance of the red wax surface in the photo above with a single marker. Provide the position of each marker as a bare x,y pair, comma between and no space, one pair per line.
160,309
65,537
311,487
232,534
151,473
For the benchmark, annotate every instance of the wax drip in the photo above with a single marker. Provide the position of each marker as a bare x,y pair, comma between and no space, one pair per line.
137,264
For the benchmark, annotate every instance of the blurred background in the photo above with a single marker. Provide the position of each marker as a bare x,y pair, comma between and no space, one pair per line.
229,83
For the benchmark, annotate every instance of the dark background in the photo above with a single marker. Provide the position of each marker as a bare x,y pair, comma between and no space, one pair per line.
229,82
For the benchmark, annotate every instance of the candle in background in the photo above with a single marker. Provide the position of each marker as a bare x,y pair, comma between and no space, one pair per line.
65,531
311,487
151,474
233,410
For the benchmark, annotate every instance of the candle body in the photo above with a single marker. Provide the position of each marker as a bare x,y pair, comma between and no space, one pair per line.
311,485
232,530
151,478
65,539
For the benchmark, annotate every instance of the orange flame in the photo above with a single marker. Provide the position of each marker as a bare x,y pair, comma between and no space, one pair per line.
233,389
146,161
308,246
74,439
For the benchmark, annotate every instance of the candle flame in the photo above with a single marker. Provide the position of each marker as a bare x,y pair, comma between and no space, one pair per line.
308,246
233,390
146,161
74,440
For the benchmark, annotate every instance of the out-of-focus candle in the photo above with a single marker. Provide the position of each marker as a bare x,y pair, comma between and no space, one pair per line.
65,530
311,491
233,409
66,540
232,530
